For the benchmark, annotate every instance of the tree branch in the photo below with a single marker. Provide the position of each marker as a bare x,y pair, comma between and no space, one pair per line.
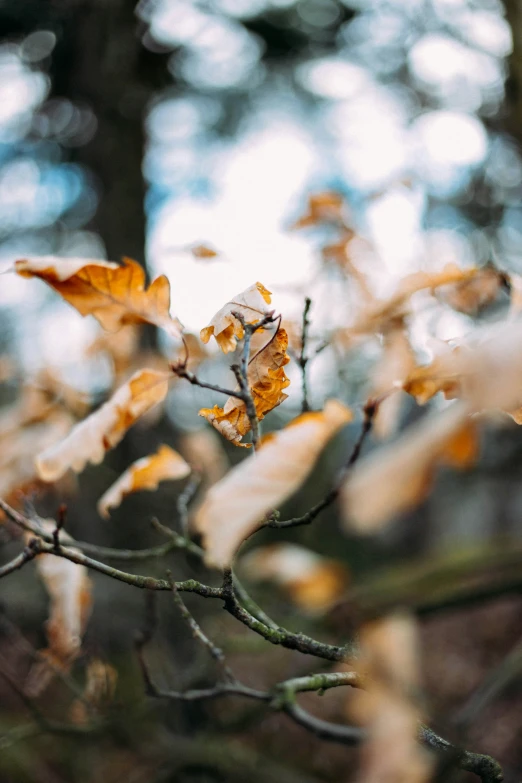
241,371
29,553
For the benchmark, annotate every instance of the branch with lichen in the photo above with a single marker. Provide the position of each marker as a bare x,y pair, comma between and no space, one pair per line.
282,698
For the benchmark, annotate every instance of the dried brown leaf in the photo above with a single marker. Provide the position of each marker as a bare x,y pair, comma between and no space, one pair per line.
266,379
311,581
146,473
69,589
236,506
397,477
115,295
387,709
98,694
102,430
226,328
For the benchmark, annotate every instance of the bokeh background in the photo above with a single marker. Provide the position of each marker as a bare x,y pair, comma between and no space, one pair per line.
146,130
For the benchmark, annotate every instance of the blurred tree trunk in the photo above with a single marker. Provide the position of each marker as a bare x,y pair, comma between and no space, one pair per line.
101,61
514,85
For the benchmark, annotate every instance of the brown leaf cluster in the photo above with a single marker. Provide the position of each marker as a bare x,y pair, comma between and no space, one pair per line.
266,379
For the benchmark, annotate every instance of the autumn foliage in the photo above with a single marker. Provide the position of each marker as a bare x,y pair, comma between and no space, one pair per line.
51,435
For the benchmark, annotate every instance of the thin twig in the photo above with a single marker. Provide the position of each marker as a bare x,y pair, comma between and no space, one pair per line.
28,553
509,669
283,698
60,522
251,606
200,636
184,500
370,410
136,580
182,372
484,766
303,357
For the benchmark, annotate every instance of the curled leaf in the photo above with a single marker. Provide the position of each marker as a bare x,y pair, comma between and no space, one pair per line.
398,476
267,379
146,473
115,295
311,581
69,589
236,505
251,303
102,430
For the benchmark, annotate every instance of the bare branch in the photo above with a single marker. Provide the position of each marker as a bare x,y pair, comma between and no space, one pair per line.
60,522
29,553
184,500
181,371
281,636
485,767
199,635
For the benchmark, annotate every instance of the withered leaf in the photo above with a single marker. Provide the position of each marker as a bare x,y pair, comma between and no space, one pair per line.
102,430
389,662
311,581
235,506
377,315
115,295
396,363
326,207
98,693
485,369
266,379
203,252
397,477
69,589
474,292
145,473
251,304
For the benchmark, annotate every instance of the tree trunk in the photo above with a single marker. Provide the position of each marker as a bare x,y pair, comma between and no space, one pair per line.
101,61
